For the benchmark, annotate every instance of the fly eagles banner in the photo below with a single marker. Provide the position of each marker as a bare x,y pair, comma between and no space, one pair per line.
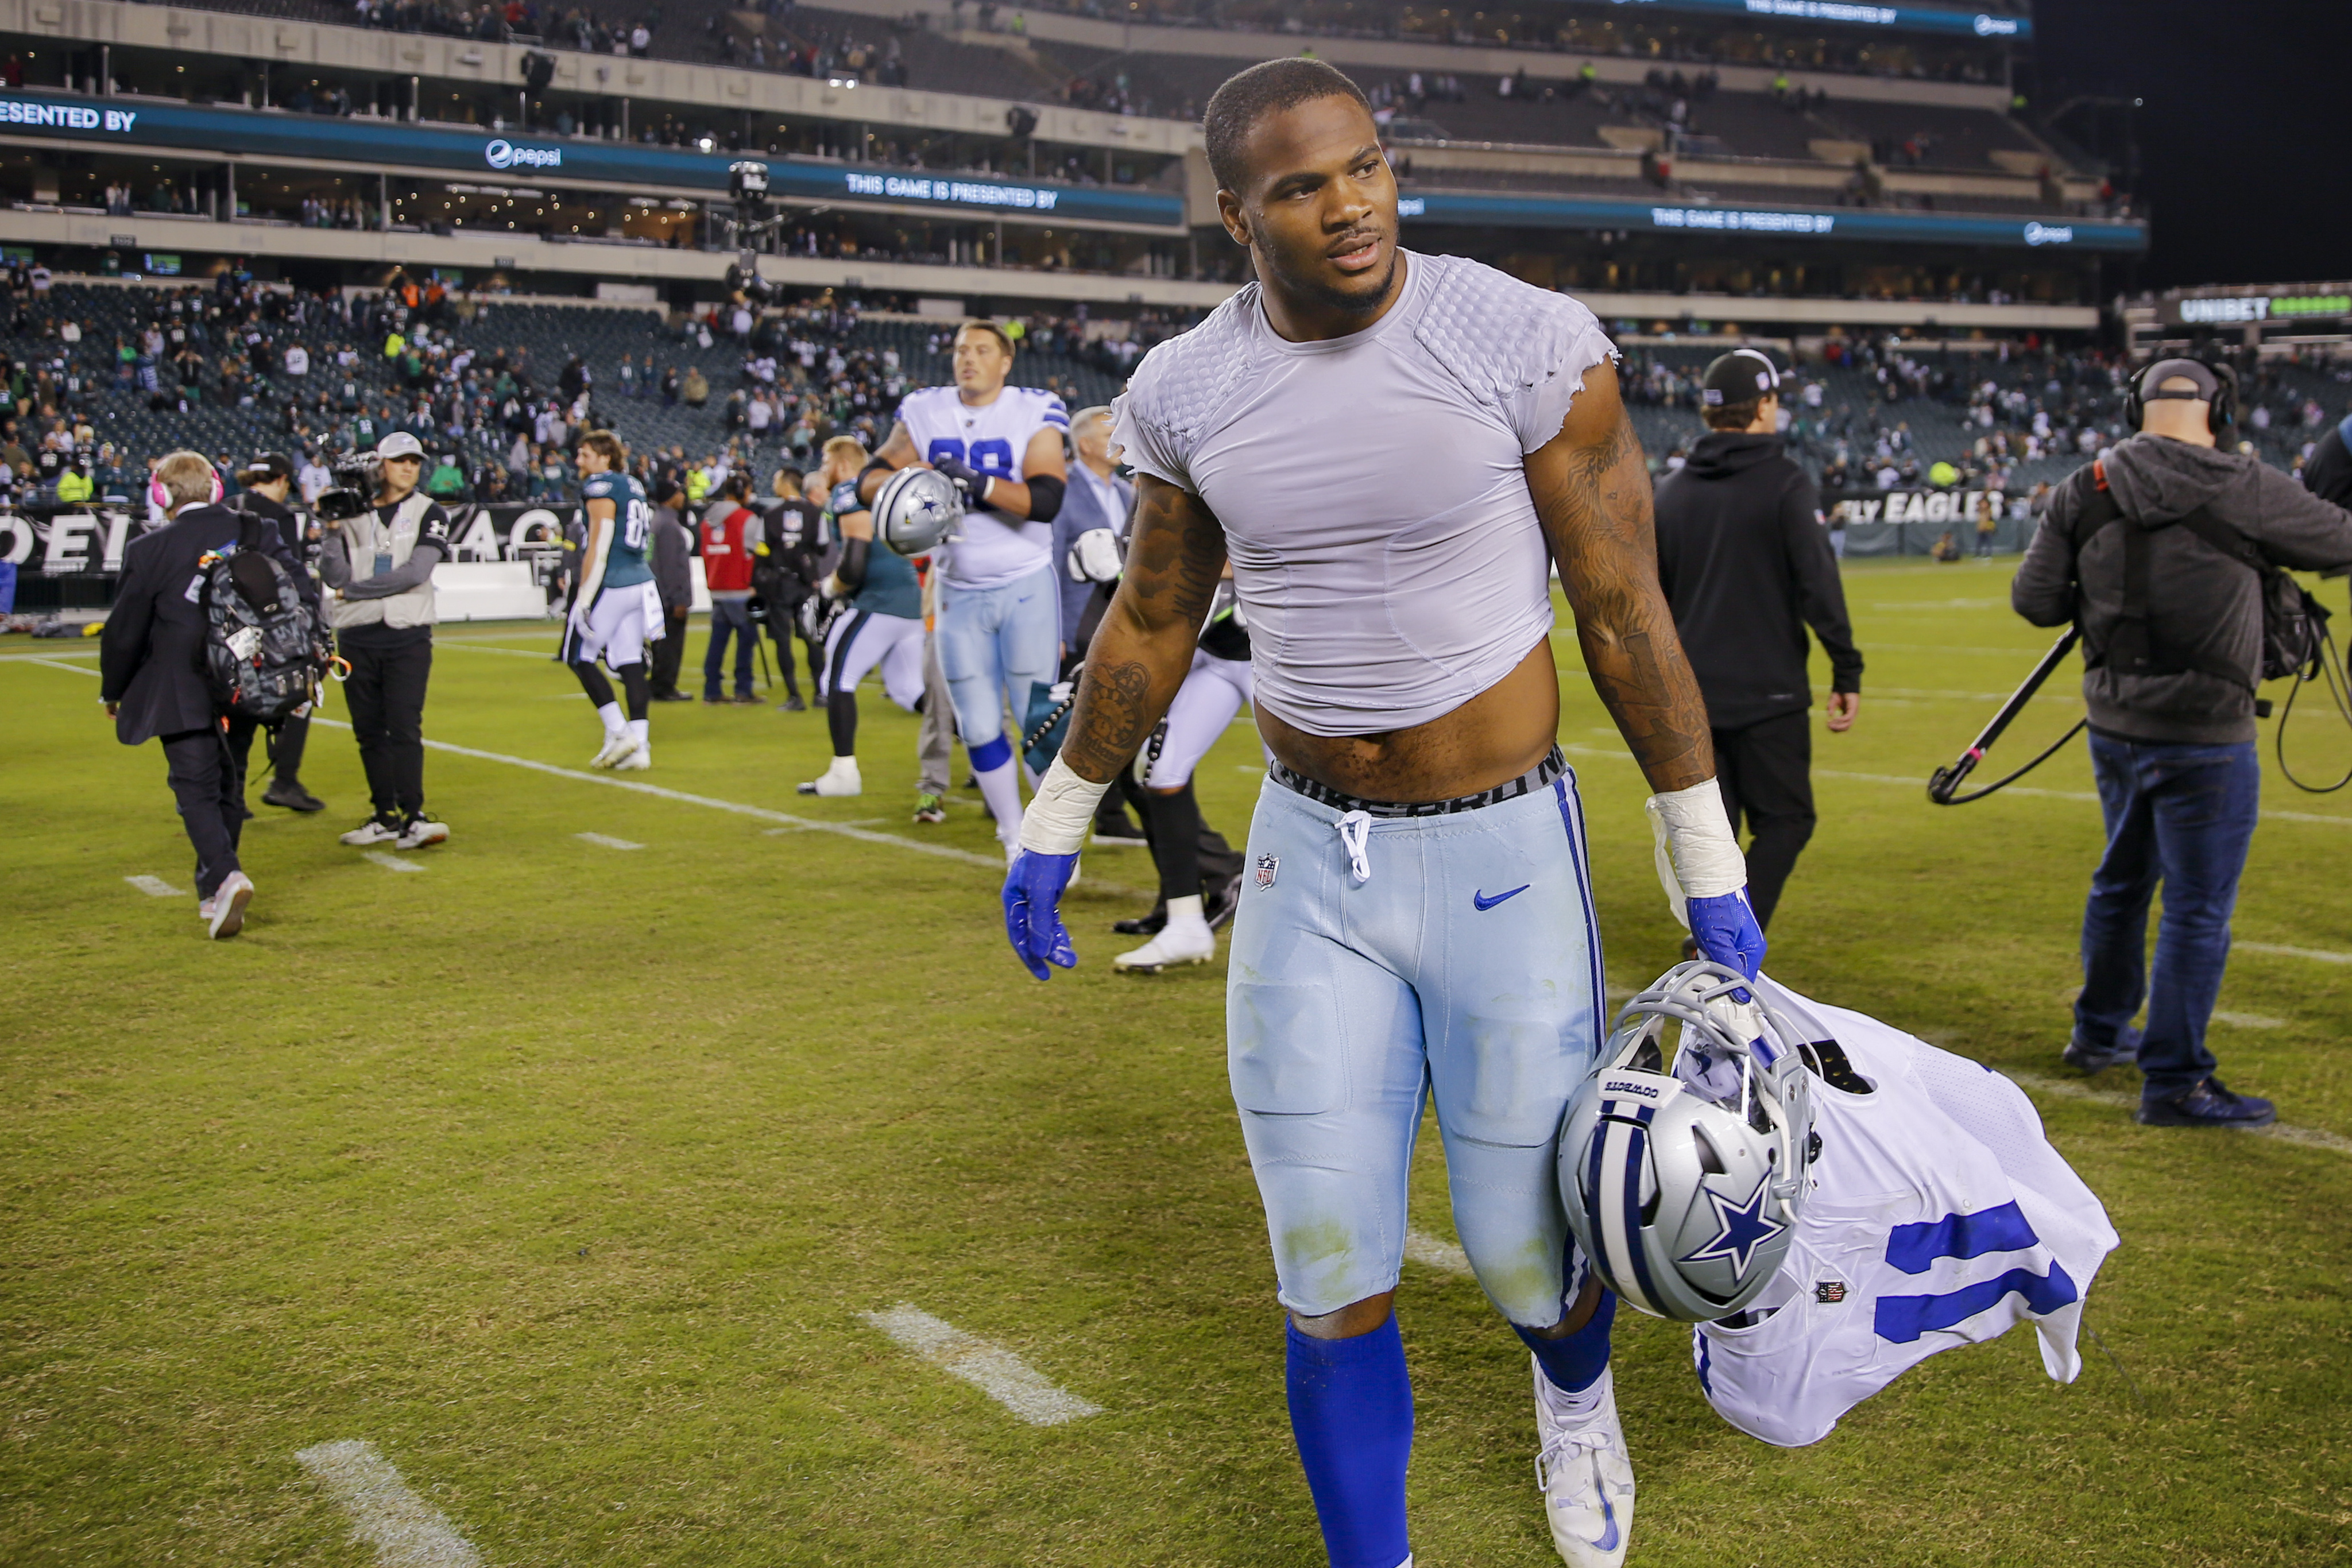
1909,522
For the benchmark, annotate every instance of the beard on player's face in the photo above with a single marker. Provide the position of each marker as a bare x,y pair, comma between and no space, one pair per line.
1305,276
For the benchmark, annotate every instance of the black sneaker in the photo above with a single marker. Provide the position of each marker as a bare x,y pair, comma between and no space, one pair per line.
794,704
1219,902
1118,830
672,698
2207,1105
1149,925
290,793
2081,1053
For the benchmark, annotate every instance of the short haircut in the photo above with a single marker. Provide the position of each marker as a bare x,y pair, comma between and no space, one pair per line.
616,456
1003,338
1248,97
187,478
840,446
1088,415
787,474
1732,415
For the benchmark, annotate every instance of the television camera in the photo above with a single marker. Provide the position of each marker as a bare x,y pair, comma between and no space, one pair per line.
752,221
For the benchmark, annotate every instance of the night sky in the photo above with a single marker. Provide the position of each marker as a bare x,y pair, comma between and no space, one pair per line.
2246,134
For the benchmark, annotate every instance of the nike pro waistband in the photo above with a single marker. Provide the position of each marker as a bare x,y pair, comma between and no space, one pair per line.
1539,777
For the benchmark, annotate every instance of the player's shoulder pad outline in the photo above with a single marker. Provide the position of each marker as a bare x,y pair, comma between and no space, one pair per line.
1182,383
1497,335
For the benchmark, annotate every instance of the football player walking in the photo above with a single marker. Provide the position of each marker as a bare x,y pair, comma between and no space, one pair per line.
1388,446
998,608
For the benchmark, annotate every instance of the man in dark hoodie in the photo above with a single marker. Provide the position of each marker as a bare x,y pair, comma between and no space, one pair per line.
2172,741
1747,567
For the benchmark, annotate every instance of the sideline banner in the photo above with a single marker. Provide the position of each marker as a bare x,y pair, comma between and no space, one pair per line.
86,542
1909,522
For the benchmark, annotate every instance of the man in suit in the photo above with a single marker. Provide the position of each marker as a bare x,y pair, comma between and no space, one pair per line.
153,680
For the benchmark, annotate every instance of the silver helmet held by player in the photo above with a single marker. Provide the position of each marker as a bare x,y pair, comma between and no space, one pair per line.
915,509
1684,1167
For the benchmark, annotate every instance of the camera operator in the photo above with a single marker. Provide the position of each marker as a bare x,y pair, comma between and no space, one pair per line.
268,481
2328,475
2140,550
1747,567
380,563
153,679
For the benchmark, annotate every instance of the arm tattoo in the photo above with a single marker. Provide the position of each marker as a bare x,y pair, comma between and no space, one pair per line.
1144,646
1594,498
1114,708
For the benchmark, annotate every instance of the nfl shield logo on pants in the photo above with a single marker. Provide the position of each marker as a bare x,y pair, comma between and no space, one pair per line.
1267,866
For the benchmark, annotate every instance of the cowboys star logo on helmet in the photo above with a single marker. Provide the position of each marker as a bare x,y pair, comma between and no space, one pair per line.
917,509
1683,1167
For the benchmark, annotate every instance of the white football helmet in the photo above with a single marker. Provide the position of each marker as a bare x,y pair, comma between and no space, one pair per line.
915,509
1685,1168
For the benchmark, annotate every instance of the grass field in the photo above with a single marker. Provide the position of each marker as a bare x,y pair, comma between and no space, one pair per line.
562,1174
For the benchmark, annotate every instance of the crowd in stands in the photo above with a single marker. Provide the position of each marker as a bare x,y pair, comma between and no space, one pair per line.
96,380
1882,414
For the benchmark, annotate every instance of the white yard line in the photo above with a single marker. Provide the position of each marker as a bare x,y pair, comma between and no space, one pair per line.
2277,951
990,1368
58,664
1615,755
2248,1021
606,840
946,852
154,887
391,862
1430,1252
2075,1089
406,1531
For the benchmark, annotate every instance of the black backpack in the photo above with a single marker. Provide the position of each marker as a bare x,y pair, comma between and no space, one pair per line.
2294,622
262,648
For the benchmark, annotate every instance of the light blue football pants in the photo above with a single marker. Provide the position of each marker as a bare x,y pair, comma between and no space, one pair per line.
1465,966
994,644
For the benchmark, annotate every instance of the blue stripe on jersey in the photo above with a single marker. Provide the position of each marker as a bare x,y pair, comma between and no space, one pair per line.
1055,416
1698,1343
1914,1249
1902,1319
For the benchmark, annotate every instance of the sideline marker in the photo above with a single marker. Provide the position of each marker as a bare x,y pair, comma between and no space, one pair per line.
990,1368
406,1531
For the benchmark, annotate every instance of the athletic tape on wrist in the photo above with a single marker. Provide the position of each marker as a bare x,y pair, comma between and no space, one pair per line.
1061,812
1698,855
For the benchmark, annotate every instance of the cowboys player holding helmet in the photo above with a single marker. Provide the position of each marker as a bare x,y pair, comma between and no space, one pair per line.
1388,446
999,615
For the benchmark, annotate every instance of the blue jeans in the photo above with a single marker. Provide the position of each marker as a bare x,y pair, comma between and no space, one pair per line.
2183,815
728,615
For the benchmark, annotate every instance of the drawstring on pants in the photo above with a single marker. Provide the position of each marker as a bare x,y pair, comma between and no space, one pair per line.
1355,832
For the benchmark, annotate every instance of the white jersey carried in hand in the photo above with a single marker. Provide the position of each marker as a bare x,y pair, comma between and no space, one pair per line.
1941,1218
995,548
1372,487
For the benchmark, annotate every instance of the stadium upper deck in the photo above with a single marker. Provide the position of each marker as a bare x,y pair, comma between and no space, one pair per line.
925,156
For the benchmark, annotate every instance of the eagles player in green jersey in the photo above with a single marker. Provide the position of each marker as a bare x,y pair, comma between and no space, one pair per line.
615,610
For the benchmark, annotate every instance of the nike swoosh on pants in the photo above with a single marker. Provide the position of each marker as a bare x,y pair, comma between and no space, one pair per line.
1483,902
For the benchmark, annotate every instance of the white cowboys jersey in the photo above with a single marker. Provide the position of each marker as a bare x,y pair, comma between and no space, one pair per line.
995,548
1941,1218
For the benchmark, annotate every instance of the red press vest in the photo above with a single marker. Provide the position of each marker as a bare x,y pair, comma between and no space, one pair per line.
725,564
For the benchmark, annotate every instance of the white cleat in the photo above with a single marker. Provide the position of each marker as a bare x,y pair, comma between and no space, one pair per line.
636,761
228,903
618,749
839,781
1585,1472
1189,944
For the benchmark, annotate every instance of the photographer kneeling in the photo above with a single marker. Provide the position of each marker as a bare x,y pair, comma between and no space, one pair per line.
380,563
2143,548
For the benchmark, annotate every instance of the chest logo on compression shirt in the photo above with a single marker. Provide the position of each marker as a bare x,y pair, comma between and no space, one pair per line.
1485,903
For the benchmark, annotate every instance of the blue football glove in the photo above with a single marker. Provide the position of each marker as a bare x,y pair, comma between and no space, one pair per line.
1032,917
1726,931
965,477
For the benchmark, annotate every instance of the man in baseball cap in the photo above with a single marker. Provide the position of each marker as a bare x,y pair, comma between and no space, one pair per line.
400,443
1745,564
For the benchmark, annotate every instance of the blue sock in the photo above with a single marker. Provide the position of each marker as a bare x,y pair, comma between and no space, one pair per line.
1576,1362
1351,1412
